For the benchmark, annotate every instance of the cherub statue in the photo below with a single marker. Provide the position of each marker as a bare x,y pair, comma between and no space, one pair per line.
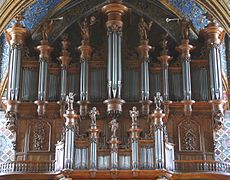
70,100
157,100
85,28
47,27
114,126
143,29
134,114
93,113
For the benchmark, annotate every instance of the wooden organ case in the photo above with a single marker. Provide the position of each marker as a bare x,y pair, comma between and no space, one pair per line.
126,105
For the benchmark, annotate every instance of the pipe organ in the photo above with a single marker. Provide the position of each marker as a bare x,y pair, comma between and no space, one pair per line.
90,135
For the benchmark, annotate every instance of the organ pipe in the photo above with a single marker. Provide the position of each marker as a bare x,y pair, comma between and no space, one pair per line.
44,57
214,36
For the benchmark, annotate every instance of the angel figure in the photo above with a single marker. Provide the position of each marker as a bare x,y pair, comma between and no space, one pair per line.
93,113
184,25
85,28
157,100
134,114
143,29
114,126
70,100
47,27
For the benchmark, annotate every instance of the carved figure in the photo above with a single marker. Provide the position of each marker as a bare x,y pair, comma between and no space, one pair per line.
218,119
143,29
70,100
134,114
47,27
184,25
85,28
11,121
93,113
157,100
114,126
164,42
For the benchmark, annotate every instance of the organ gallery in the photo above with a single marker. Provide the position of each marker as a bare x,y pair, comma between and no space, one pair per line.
115,90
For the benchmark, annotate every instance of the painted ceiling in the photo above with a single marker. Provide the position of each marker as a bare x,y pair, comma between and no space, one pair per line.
35,13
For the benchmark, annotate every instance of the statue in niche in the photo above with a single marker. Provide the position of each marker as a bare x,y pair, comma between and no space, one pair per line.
114,126
157,100
134,114
143,29
70,100
93,113
85,33
47,27
184,25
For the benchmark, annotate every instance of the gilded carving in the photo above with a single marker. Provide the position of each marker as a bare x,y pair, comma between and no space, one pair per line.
143,29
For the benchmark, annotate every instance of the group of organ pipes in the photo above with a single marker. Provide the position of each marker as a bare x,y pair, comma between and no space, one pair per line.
16,37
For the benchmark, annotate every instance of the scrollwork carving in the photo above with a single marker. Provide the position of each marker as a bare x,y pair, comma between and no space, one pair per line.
11,118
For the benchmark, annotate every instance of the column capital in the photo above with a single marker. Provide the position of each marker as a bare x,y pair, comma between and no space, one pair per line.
213,33
86,52
45,49
143,50
65,57
184,49
114,11
165,59
16,34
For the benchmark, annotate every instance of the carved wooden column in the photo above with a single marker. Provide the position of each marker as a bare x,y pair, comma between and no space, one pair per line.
15,36
70,127
158,132
214,35
134,136
114,11
143,54
93,138
45,50
64,60
85,57
185,58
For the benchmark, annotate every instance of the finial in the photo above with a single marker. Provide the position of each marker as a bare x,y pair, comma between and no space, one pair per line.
93,113
157,100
